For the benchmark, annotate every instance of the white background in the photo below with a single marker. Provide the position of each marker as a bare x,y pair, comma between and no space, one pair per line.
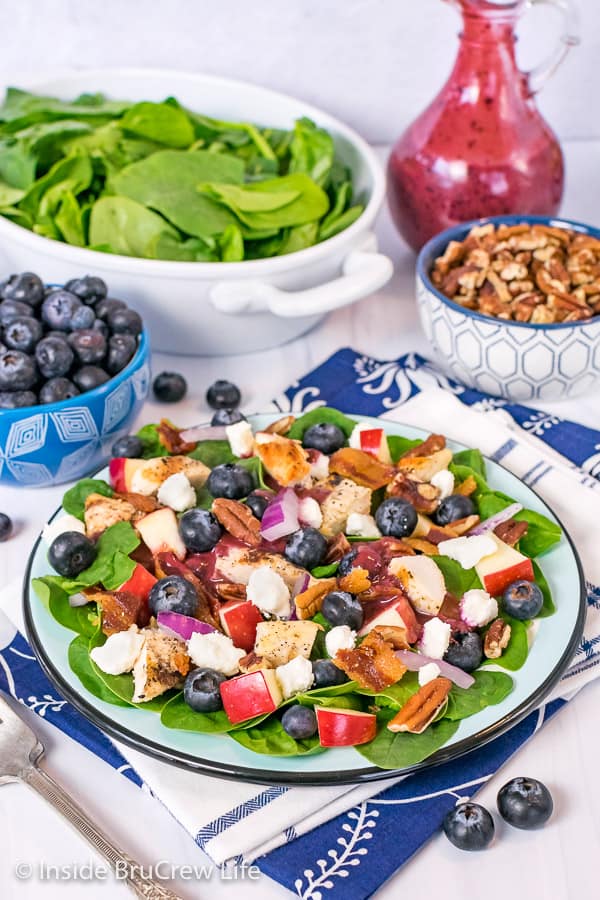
373,63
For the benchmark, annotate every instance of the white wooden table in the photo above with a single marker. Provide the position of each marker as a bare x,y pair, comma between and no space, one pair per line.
555,863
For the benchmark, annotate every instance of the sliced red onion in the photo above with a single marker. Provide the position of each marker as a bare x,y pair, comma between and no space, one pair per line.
180,626
497,519
414,661
280,518
204,433
301,584
76,600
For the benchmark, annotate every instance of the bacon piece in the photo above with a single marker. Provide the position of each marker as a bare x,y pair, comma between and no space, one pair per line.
170,438
119,609
361,467
208,603
430,445
373,665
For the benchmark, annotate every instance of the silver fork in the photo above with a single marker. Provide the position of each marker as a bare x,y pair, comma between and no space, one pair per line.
20,753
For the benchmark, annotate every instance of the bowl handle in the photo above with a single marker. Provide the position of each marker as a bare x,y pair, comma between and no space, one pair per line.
364,271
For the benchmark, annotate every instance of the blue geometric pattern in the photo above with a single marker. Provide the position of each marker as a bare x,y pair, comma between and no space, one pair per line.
61,444
517,362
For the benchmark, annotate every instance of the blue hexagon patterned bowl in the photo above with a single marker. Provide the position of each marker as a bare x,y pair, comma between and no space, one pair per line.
514,360
58,442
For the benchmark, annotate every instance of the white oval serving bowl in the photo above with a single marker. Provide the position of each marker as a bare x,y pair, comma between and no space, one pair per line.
219,308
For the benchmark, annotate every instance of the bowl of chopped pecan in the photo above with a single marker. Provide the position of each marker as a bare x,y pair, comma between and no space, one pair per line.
511,305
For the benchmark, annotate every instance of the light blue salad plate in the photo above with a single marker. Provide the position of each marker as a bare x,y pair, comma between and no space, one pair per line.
553,646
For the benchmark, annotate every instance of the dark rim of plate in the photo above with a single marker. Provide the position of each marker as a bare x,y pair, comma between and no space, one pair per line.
308,779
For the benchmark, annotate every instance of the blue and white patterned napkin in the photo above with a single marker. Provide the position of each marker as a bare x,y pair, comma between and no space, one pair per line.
324,837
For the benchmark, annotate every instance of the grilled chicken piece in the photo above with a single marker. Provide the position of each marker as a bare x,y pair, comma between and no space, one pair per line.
148,478
237,566
278,642
374,665
163,663
285,460
101,512
118,609
344,497
423,468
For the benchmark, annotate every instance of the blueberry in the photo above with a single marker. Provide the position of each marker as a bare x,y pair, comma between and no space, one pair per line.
230,480
300,722
227,417
24,288
58,309
257,504
125,321
199,530
12,309
18,371
523,599
325,437
342,608
22,333
107,305
70,553
54,356
465,650
469,826
89,289
169,387
58,389
347,563
454,507
201,690
396,517
89,377
223,395
306,547
83,317
121,350
89,345
327,674
6,527
128,446
525,803
17,399
173,594
102,327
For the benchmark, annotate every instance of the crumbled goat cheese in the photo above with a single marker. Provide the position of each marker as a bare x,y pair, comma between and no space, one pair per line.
267,590
435,638
215,651
119,652
177,492
57,526
319,469
295,676
444,482
339,638
309,512
362,526
241,439
478,608
428,672
468,551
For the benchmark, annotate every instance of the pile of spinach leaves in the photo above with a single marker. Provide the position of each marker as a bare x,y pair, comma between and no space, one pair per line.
158,181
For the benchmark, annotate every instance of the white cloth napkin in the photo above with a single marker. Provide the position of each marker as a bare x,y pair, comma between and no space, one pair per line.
235,821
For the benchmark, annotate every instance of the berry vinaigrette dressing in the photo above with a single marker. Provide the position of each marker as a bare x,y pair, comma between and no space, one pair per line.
481,147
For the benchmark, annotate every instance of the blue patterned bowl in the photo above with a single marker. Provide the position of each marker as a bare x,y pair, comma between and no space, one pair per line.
57,442
514,360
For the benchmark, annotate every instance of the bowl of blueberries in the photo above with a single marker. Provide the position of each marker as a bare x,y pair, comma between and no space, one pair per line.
74,373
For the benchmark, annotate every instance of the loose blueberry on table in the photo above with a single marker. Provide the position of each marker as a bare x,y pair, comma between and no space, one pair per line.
6,527
169,387
223,394
469,826
525,803
318,588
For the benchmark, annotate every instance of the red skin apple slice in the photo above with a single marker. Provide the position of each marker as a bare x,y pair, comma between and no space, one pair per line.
140,584
344,727
370,441
239,619
496,582
249,695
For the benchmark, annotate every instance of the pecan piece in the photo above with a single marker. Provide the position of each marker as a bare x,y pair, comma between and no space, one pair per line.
424,501
422,708
252,663
496,639
227,590
310,601
237,519
281,426
361,467
423,546
337,547
430,445
510,531
463,526
394,635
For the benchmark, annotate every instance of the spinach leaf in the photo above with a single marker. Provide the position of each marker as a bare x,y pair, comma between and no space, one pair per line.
318,415
298,238
177,714
68,220
165,246
471,458
518,648
275,203
151,442
396,695
161,122
74,499
166,182
112,566
74,174
542,533
346,700
389,750
458,580
548,607
399,445
9,195
325,571
82,666
125,226
231,244
269,737
489,689
82,619
213,453
311,151
340,223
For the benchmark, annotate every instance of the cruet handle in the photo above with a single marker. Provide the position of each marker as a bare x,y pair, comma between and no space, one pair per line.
537,77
